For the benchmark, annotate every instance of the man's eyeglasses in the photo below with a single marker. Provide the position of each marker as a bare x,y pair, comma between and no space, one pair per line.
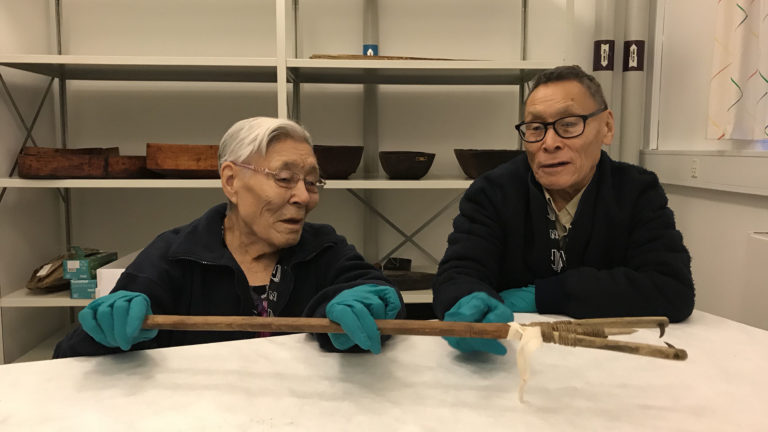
565,127
287,179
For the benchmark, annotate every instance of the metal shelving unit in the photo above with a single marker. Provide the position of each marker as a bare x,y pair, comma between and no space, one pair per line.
284,72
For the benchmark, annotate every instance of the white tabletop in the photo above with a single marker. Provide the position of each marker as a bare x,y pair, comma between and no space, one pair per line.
418,383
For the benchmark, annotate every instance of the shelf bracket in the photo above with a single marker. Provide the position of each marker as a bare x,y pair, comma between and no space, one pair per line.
296,103
410,238
28,128
407,238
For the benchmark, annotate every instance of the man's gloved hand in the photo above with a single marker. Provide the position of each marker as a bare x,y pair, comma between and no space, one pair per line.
520,299
356,309
115,320
478,307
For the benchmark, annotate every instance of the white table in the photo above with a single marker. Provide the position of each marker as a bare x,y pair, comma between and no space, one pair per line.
418,383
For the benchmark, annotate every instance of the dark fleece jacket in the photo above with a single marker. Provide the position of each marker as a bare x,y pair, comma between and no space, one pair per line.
189,271
624,255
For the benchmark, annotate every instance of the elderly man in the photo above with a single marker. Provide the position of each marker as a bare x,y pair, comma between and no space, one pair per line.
566,230
254,255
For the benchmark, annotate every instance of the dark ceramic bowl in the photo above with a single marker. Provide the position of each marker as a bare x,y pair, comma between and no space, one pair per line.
396,263
475,162
406,165
337,162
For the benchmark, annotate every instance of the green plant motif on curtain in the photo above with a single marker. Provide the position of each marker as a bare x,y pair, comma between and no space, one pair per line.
738,94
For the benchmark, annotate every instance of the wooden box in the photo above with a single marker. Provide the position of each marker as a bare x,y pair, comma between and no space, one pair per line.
54,163
129,167
184,160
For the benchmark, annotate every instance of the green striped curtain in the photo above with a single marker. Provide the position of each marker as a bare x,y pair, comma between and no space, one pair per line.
738,94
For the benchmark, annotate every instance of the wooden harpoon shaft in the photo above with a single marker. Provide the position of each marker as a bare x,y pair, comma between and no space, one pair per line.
393,327
324,325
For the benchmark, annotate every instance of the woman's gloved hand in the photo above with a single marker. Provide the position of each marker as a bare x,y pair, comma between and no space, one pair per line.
478,307
356,309
115,320
520,299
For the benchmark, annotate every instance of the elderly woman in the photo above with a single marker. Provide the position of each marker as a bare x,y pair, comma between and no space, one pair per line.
254,255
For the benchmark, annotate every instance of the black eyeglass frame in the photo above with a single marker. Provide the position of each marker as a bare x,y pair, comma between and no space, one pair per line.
545,125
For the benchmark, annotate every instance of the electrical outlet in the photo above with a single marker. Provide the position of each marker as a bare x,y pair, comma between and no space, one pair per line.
694,168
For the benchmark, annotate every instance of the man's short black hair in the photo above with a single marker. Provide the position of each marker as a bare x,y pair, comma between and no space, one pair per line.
571,73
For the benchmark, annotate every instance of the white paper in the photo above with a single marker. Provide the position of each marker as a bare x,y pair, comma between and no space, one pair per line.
45,270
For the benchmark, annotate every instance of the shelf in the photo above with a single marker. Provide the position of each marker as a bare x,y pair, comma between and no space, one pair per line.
44,350
399,184
131,68
414,71
110,183
26,298
252,69
216,183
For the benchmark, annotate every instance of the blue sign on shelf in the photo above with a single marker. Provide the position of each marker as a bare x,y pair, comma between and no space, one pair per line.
370,49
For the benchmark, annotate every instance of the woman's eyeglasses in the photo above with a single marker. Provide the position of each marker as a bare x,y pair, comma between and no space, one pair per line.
287,179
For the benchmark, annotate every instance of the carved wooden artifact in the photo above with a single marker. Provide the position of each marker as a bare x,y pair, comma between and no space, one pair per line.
183,160
551,333
55,163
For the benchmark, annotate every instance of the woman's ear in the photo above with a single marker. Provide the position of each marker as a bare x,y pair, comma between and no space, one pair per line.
229,179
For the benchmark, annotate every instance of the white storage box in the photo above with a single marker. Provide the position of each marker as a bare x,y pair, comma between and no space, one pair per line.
106,276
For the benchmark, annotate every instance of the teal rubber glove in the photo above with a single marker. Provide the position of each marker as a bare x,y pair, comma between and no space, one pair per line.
115,320
520,299
478,307
356,309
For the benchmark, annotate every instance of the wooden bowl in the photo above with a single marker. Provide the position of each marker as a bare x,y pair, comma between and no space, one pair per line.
406,165
475,162
397,263
337,162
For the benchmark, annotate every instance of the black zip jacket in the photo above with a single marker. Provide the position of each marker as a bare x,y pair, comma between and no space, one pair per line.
189,271
624,255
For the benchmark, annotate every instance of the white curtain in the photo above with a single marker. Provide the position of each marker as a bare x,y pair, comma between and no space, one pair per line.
738,94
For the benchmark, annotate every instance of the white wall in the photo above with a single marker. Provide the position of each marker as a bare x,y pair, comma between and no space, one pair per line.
198,28
715,224
727,269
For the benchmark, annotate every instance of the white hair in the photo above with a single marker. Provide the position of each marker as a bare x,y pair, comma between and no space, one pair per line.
250,136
